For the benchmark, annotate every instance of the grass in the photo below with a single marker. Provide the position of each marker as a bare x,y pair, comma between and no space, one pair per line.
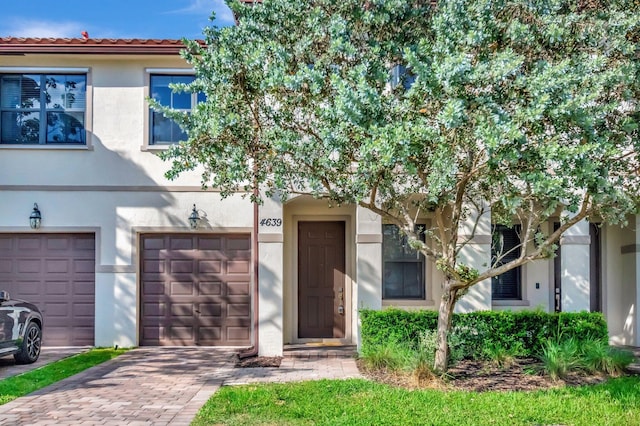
362,402
23,384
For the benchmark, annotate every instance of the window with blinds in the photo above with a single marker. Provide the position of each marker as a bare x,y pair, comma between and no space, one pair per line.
505,247
43,108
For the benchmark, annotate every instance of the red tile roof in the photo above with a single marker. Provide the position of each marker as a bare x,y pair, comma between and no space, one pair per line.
20,46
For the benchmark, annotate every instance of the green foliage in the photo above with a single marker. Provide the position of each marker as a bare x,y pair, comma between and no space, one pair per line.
23,384
529,108
501,356
560,357
363,402
521,104
392,356
519,333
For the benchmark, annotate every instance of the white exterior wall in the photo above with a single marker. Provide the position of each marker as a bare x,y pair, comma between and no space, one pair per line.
271,279
575,268
476,254
368,259
111,186
620,283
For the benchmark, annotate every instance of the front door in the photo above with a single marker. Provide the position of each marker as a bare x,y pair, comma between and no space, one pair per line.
321,279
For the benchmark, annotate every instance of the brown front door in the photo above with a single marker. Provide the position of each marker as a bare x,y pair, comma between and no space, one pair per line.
321,279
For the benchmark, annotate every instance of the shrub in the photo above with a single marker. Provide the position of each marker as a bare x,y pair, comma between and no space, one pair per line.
501,356
559,357
522,333
598,356
391,356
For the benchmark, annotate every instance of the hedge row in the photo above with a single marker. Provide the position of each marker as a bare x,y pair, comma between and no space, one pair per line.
526,329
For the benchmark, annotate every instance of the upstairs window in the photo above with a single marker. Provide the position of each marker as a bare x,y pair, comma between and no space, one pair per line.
164,130
403,268
43,108
505,244
402,76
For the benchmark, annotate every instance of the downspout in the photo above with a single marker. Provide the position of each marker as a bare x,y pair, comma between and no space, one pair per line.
253,350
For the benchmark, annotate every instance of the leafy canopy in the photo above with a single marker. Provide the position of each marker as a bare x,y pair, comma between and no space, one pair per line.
529,107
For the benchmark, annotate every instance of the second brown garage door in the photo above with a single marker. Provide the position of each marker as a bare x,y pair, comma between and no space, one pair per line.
195,290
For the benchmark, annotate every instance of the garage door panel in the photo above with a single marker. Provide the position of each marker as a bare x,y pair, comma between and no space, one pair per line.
209,266
57,266
84,266
152,287
84,288
213,334
181,267
238,288
57,243
181,333
83,311
181,288
6,266
29,266
210,288
238,267
240,333
55,272
57,288
30,244
181,243
153,266
182,310
210,243
238,310
210,310
197,290
239,243
152,309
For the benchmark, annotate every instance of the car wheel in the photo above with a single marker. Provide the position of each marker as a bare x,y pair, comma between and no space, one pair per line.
30,350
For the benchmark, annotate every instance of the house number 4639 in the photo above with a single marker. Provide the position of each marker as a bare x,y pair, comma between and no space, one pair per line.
272,221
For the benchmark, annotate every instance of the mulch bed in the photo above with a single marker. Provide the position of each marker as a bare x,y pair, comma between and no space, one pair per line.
524,374
259,361
478,376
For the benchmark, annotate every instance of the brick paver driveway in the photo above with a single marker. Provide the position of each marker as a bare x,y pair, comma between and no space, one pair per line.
155,386
144,386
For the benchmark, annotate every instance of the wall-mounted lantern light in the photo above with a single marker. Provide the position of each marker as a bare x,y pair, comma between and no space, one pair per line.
35,218
194,218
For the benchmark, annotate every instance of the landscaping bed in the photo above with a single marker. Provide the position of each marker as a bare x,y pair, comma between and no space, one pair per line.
480,376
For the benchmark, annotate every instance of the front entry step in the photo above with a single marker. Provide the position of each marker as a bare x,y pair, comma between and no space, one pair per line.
311,350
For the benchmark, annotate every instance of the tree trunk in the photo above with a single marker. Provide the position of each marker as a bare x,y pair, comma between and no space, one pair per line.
445,313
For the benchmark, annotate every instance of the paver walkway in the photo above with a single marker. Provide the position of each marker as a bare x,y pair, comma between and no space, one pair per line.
155,386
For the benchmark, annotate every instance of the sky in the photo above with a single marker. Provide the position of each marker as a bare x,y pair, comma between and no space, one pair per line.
155,19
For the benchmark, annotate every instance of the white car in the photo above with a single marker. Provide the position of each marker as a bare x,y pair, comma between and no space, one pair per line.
20,329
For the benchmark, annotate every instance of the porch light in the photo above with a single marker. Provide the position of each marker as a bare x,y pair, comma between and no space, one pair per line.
35,218
194,218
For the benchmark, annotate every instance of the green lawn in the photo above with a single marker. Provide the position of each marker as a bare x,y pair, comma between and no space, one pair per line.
361,402
17,386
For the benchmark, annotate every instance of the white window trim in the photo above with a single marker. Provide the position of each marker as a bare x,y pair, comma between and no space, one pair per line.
146,145
88,111
428,279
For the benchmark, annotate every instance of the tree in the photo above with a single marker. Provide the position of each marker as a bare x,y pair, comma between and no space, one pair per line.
517,109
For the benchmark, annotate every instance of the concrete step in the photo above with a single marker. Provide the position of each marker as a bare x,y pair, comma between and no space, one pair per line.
309,351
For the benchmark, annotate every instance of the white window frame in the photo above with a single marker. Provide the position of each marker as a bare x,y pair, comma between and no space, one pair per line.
88,110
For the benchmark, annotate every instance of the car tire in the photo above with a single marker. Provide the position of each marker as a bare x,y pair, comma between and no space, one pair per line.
31,344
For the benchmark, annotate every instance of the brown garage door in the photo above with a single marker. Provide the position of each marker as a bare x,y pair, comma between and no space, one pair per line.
56,272
195,290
